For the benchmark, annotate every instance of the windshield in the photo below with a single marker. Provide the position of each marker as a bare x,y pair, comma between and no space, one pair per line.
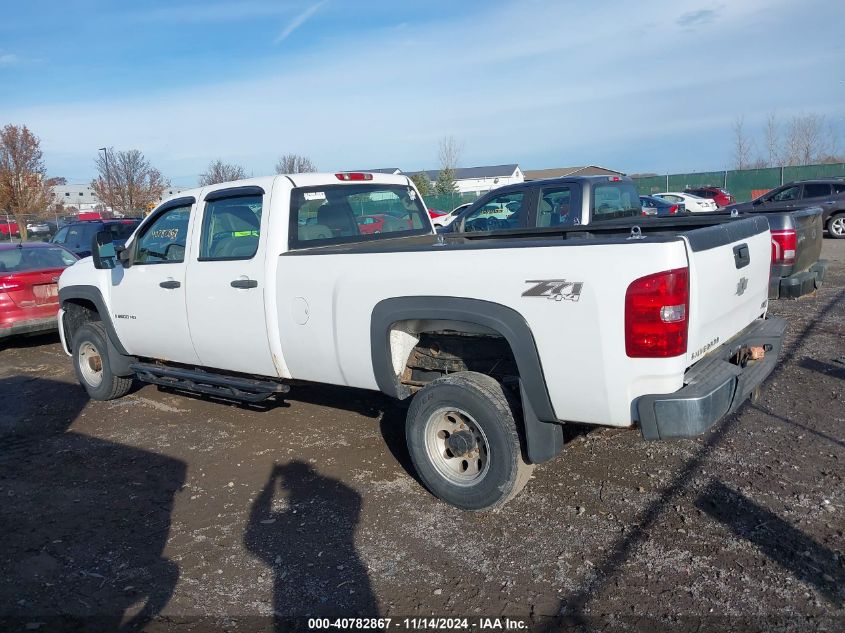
613,200
338,214
19,260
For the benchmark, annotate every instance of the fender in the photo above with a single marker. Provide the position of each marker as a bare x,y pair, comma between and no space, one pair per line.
543,431
119,359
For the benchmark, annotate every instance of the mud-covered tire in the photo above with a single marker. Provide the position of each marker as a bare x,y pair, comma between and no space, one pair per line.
836,226
478,409
91,363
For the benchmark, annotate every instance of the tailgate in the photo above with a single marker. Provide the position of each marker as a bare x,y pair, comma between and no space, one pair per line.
729,281
808,229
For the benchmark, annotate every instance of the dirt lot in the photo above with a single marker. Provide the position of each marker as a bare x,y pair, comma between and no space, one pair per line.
165,505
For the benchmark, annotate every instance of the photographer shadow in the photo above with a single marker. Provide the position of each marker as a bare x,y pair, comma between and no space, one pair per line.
83,522
302,525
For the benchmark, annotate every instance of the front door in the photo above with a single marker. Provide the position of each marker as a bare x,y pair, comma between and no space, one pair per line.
148,298
226,283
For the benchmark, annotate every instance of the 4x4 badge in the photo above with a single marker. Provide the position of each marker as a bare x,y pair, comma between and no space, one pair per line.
557,289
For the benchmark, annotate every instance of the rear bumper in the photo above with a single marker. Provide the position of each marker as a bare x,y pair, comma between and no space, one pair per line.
30,326
798,284
713,387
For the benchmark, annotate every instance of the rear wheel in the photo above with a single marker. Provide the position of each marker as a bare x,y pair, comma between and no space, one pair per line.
463,440
91,362
836,226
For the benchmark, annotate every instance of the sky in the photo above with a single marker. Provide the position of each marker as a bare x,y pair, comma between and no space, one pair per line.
650,86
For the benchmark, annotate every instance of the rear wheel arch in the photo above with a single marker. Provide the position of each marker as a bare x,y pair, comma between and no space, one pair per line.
395,328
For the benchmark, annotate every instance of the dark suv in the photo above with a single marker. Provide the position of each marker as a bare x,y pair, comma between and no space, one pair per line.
718,195
77,236
827,193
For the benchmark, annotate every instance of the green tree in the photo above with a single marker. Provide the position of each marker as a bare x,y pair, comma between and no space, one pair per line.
423,184
446,182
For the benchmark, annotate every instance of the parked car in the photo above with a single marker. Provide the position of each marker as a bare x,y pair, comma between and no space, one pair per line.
29,295
662,340
77,236
445,220
9,229
372,224
41,229
435,213
692,203
549,205
828,193
721,197
652,205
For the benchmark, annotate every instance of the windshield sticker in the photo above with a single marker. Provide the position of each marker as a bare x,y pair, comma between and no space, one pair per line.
315,195
557,289
412,194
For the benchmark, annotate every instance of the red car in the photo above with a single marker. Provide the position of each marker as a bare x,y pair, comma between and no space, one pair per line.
718,195
375,223
9,229
29,294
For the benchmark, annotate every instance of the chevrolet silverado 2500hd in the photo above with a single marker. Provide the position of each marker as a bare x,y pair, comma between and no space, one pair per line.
237,289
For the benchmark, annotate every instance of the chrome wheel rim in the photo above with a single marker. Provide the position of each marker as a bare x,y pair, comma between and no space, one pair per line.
837,227
456,446
90,364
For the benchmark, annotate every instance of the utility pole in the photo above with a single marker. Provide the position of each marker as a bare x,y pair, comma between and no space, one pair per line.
108,175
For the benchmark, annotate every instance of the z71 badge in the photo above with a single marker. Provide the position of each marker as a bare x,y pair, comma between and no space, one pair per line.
557,289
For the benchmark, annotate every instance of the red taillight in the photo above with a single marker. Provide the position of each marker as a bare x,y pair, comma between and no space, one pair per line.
656,312
673,209
784,244
7,284
353,175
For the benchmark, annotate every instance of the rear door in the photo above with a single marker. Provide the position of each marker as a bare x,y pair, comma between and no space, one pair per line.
226,282
729,279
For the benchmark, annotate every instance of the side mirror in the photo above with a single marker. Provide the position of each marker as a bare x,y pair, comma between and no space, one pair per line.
102,251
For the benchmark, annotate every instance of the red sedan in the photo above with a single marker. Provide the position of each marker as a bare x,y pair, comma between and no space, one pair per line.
29,296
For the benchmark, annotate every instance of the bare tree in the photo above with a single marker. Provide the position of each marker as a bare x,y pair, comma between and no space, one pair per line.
294,164
772,140
126,181
742,145
218,171
808,139
24,186
449,155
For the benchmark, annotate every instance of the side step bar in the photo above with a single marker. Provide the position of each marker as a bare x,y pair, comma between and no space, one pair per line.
197,380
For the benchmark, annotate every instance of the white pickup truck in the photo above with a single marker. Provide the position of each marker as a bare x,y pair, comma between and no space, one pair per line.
237,289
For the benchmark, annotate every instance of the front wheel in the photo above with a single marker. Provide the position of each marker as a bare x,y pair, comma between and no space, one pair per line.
91,362
836,226
464,442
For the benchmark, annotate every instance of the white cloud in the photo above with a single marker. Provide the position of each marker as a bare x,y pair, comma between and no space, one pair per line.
298,21
8,59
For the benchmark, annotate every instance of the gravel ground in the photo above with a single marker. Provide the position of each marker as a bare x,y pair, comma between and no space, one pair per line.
165,505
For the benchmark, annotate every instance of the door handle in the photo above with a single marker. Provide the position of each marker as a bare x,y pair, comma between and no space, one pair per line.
170,284
244,283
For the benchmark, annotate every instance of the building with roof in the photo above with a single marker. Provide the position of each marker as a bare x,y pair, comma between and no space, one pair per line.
84,198
562,172
480,179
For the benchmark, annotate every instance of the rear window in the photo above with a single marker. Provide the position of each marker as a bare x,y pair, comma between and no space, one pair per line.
18,260
341,214
615,200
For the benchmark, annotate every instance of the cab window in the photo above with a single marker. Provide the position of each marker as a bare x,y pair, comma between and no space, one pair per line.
501,212
231,228
613,200
163,240
555,208
342,214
